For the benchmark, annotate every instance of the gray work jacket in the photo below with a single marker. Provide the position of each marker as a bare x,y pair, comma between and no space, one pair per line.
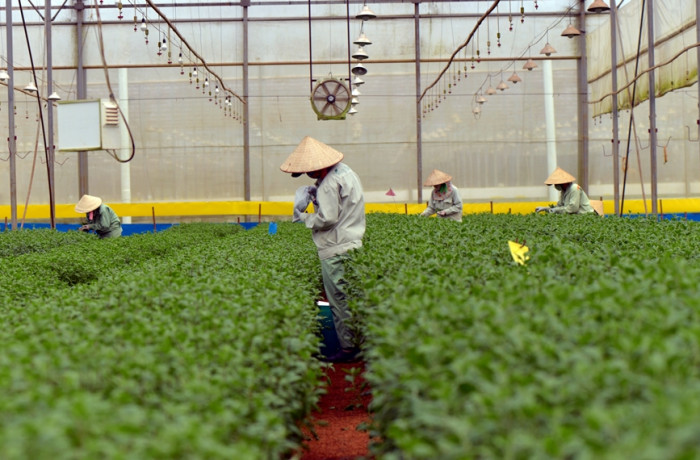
452,206
573,200
338,225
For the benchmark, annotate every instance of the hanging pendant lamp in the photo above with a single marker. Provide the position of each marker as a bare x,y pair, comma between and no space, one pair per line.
357,81
548,50
4,76
359,69
502,86
362,40
54,97
490,91
598,6
514,78
481,99
529,65
360,54
31,87
366,14
570,32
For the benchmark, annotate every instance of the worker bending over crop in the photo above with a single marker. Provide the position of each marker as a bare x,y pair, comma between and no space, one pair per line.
337,226
100,217
572,198
444,200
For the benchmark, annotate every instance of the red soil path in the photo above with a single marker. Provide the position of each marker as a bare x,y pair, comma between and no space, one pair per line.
339,414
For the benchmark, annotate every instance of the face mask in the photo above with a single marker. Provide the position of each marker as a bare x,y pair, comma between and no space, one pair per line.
558,187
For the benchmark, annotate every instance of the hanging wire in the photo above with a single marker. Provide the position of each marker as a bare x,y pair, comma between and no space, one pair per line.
112,98
200,59
463,45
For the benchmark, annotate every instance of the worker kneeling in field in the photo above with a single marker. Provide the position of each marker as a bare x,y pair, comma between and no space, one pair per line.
337,226
100,217
444,199
572,198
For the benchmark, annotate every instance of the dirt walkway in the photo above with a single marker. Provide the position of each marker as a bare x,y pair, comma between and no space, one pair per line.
341,410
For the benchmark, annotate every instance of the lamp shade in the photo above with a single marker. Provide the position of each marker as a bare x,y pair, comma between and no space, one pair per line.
31,87
366,14
598,6
362,40
514,78
358,69
570,32
529,65
4,76
357,81
360,54
502,86
548,50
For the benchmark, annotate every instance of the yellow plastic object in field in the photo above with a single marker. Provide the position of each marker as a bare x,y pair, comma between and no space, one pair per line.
519,252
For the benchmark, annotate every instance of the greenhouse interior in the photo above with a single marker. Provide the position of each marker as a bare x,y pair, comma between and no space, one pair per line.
269,230
187,109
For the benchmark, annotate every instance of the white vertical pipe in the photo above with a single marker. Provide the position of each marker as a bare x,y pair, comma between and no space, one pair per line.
125,140
550,129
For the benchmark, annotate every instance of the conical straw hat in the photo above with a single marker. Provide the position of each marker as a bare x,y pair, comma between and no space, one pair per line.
88,203
437,177
311,155
598,206
559,176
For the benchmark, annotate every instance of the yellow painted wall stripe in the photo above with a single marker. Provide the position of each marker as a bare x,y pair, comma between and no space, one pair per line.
278,208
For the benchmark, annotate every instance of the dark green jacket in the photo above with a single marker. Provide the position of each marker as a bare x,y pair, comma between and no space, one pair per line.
105,222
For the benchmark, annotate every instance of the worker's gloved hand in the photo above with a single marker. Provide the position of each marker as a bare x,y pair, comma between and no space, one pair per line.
441,213
541,208
304,195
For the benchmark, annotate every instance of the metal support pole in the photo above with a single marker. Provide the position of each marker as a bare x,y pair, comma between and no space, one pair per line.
652,106
83,187
246,111
49,115
419,137
11,138
583,102
615,121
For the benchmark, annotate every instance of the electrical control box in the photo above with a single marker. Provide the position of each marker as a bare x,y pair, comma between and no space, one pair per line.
88,125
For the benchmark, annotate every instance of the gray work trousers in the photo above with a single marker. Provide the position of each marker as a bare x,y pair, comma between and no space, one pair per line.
333,272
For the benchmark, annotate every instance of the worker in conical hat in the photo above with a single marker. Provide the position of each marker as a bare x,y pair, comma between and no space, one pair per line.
337,227
444,199
100,218
572,198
